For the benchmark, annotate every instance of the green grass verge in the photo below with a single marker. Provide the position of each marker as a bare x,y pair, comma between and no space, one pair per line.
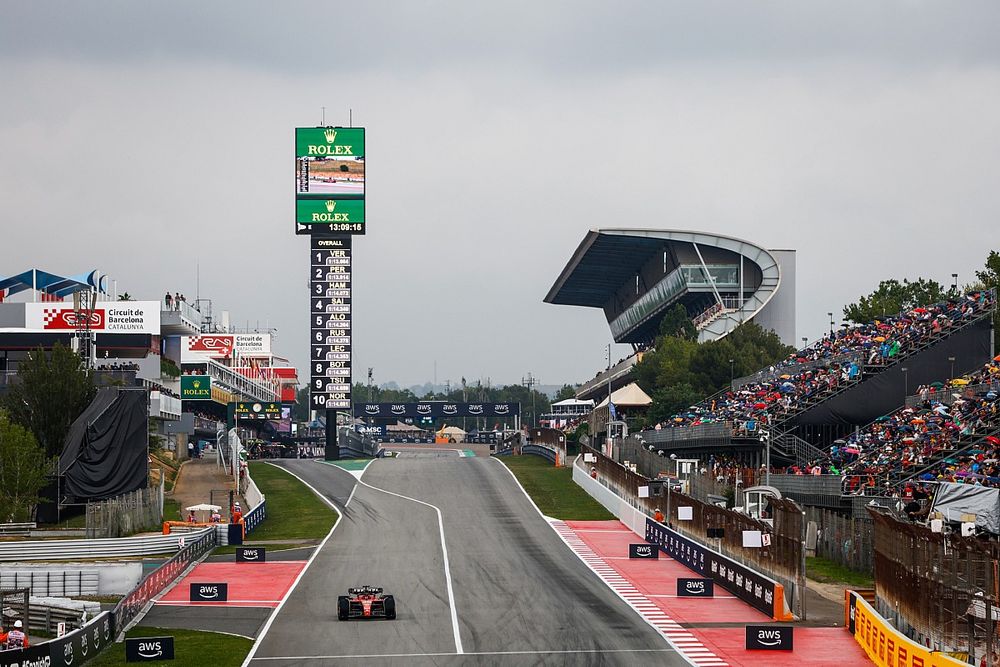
554,490
293,510
192,648
827,571
172,510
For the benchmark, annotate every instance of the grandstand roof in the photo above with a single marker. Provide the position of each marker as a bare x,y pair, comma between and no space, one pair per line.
51,283
607,258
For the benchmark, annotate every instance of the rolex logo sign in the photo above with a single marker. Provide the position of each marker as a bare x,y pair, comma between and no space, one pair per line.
331,135
330,205
196,388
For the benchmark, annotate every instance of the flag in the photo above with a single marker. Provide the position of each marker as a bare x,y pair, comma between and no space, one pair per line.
612,412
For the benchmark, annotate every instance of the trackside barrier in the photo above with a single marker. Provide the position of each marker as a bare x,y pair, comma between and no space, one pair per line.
90,549
764,593
255,516
132,605
885,645
538,450
70,649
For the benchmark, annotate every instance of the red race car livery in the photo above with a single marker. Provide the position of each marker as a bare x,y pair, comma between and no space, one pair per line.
365,602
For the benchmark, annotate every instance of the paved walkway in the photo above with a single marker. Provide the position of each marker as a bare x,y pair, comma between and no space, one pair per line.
709,631
198,478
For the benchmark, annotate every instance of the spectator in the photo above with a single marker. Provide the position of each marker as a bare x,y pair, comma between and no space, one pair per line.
168,301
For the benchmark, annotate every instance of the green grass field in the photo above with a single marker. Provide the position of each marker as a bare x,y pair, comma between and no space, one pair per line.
826,571
554,490
192,648
293,510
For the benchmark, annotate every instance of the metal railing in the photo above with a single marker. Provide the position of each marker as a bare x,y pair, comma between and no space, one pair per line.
721,432
130,606
947,395
100,548
539,450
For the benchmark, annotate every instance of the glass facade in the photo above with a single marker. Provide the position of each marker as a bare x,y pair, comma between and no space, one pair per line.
669,288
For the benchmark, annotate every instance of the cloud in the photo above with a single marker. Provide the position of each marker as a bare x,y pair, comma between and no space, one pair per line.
494,142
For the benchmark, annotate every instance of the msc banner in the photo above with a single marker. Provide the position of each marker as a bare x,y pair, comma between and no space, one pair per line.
436,409
130,317
755,589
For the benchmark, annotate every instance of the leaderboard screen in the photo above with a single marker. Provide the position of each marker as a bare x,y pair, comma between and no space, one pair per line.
330,180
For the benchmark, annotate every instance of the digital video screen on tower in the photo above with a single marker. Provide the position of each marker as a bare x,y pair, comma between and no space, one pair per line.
330,179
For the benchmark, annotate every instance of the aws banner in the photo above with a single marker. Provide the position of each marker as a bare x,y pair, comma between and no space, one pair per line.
755,589
436,409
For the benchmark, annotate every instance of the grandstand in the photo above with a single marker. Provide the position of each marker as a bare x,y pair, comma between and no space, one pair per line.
636,275
839,384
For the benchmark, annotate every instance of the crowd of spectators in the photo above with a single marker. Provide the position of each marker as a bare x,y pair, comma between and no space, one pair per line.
119,366
932,433
872,344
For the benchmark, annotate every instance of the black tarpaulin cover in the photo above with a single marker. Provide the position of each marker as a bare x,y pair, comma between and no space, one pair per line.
105,450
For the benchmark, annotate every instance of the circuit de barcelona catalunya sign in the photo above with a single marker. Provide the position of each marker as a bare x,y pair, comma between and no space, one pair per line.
436,409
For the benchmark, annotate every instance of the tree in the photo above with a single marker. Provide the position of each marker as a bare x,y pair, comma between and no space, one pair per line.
24,471
892,296
676,323
566,391
52,390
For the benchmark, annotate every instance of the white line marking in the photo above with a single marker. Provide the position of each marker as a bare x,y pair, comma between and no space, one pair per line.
447,565
592,651
288,593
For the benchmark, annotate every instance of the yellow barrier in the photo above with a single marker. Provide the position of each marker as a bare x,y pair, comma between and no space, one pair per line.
884,644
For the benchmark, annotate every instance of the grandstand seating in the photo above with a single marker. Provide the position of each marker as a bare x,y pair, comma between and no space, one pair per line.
957,441
833,365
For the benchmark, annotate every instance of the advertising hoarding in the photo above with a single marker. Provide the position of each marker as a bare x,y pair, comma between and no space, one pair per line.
132,317
196,388
330,180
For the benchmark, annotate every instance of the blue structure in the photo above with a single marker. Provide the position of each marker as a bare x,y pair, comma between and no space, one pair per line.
50,283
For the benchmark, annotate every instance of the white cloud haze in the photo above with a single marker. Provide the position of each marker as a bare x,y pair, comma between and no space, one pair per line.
144,139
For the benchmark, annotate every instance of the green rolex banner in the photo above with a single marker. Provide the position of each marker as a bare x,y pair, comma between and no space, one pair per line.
327,211
329,141
196,388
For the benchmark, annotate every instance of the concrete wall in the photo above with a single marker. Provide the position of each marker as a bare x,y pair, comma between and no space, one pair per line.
779,313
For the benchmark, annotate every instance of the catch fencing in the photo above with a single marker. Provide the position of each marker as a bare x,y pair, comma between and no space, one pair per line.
939,588
128,514
130,606
847,541
782,559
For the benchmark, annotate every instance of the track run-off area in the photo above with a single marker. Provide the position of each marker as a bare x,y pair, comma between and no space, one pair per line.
479,576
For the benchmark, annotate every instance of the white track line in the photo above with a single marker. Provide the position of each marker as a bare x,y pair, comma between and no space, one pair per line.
597,565
447,565
584,651
288,594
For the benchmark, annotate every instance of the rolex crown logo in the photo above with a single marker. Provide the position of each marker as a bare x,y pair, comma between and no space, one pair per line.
330,205
197,384
331,135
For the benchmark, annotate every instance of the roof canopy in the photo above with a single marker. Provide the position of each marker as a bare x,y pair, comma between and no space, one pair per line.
631,395
51,283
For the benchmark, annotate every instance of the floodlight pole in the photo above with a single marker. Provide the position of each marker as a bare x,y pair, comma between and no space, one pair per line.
332,450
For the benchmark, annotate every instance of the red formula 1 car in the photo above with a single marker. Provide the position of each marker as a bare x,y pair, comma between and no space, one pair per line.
365,602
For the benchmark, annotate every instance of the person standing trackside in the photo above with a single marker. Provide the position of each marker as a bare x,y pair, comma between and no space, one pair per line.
168,302
16,637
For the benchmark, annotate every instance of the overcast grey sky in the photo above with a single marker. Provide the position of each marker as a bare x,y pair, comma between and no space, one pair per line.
142,138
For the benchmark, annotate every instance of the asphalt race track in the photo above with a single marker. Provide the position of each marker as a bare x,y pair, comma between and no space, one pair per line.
521,596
